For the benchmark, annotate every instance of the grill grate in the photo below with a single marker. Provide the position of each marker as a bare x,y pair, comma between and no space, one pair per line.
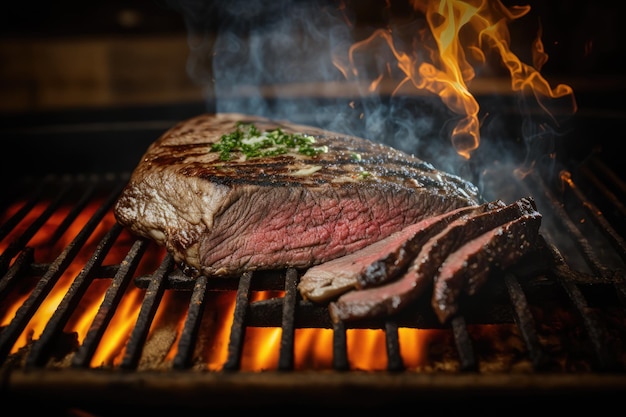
584,275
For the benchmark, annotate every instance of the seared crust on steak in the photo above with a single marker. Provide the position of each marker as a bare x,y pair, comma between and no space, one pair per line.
392,297
377,263
223,218
466,269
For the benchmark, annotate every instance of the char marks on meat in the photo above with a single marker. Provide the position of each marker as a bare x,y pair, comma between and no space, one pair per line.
224,217
466,269
390,298
379,262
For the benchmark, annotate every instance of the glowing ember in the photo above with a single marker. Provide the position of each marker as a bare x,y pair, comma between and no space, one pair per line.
45,251
313,347
366,349
111,349
442,60
261,348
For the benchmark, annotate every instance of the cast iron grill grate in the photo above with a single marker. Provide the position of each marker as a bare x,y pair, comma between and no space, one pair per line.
585,275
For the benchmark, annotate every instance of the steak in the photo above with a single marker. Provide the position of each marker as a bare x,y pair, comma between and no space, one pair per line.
221,209
392,297
467,268
377,263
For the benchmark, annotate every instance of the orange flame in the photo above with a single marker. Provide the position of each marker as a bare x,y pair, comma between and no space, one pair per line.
45,251
221,312
313,347
459,31
110,350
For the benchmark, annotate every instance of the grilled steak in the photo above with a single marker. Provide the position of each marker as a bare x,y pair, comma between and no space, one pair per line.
468,267
228,193
377,263
391,298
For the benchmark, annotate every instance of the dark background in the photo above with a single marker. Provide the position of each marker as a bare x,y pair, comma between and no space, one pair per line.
84,79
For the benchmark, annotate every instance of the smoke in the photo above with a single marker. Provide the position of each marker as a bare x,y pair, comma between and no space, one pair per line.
258,57
242,52
288,60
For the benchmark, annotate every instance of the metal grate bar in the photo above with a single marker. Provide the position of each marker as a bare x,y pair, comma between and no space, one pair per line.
286,359
21,264
149,306
114,294
8,225
74,212
596,214
238,328
394,358
618,183
525,322
46,283
38,354
463,344
340,347
189,334
581,241
18,244
595,328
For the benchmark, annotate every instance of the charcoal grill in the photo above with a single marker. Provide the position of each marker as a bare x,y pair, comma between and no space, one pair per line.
557,320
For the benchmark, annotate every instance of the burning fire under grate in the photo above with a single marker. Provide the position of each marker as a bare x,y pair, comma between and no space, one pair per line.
93,318
91,314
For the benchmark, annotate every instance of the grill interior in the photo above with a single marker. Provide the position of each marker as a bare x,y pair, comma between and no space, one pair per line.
551,328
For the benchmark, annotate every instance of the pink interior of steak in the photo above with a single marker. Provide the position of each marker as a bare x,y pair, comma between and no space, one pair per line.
284,226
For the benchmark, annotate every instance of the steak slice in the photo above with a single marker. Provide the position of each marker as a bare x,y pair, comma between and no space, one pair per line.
377,263
393,297
468,267
223,216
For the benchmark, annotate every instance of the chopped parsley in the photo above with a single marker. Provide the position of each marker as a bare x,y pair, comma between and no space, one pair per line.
249,140
355,156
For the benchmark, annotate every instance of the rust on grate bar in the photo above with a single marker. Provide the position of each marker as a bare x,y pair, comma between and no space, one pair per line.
463,344
112,298
609,186
238,328
394,358
45,284
525,321
77,208
177,280
17,245
340,347
149,306
19,267
190,330
594,326
28,205
42,346
512,298
285,358
594,212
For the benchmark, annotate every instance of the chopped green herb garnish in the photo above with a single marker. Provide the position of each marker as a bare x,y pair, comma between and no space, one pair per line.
253,143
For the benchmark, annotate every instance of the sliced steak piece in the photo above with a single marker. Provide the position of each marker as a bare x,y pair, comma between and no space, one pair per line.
379,262
467,268
391,298
221,211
